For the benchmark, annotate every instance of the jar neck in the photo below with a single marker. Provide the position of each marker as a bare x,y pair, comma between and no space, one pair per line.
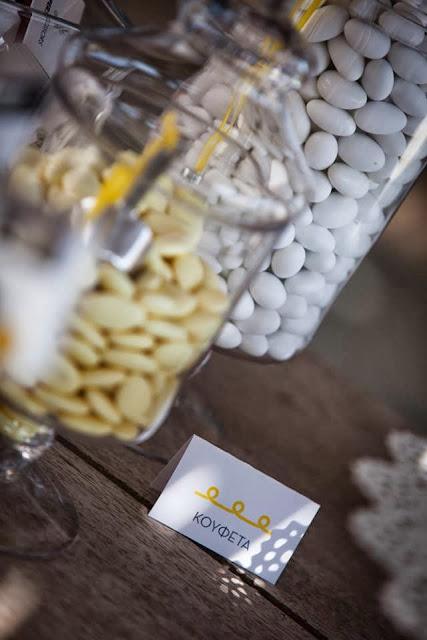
254,30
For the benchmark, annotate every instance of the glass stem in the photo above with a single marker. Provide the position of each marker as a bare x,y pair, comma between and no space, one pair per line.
22,441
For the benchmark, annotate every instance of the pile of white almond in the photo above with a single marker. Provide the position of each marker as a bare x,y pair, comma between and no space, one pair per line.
132,336
361,123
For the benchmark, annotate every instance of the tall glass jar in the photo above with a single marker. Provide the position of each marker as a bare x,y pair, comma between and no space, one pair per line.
151,185
362,122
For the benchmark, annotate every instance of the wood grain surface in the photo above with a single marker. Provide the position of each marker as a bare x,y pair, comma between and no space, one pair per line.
304,426
128,577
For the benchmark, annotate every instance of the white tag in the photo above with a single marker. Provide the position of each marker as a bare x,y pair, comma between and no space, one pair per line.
45,39
228,506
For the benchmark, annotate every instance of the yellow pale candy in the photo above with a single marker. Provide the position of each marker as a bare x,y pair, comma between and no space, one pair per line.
100,403
165,330
90,157
88,331
158,265
104,377
201,325
24,181
58,199
86,424
22,397
161,223
30,156
63,377
130,360
134,335
213,301
189,271
137,341
127,157
163,401
127,431
159,381
74,406
134,398
111,311
165,184
80,183
114,280
54,166
166,304
80,351
149,281
213,281
153,200
192,220
175,244
174,357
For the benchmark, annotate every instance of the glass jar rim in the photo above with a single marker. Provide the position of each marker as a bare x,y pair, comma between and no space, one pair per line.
71,103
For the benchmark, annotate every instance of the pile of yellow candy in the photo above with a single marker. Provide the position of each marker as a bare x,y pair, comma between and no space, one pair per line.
132,335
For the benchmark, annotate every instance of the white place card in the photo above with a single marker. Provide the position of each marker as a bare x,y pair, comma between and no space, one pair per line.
228,506
44,38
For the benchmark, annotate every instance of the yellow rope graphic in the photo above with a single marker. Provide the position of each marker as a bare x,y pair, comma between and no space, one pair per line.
236,509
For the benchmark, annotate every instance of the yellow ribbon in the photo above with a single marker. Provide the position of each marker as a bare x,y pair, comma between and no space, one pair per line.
306,14
122,176
269,46
235,107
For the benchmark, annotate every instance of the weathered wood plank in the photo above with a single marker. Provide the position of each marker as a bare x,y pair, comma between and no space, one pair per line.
128,577
304,426
137,471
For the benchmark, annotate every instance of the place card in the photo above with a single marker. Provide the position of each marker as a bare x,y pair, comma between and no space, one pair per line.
45,39
231,508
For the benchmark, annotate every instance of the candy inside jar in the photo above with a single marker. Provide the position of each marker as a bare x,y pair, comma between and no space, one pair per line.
361,121
131,335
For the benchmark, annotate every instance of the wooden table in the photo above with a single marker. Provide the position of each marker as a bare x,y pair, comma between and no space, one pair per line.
128,577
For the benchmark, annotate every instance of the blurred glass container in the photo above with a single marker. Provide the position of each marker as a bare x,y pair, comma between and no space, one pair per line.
138,334
46,168
37,519
150,184
43,269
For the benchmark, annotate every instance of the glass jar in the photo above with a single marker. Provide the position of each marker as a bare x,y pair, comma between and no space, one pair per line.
141,328
37,519
362,122
147,203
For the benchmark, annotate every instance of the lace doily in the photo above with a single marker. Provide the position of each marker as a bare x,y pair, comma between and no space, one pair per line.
394,529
